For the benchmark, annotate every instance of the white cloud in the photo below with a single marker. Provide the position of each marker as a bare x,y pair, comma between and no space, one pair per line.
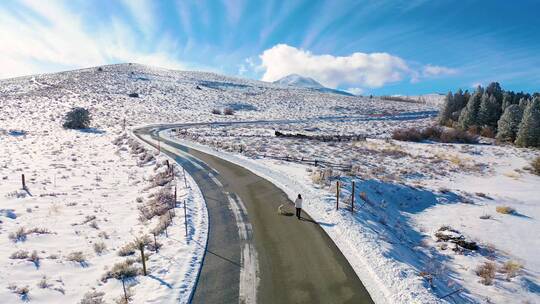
435,70
47,37
143,14
358,69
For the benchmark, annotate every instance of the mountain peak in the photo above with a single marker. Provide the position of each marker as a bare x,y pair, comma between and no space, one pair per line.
299,81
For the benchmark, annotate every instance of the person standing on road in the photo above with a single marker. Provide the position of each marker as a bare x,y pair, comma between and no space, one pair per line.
298,205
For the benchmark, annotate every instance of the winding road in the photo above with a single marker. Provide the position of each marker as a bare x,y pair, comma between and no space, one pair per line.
254,255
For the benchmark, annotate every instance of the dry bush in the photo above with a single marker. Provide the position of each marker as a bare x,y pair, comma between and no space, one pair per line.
411,134
126,250
34,258
487,132
535,164
94,225
164,223
19,255
125,270
19,235
43,283
93,297
228,111
77,256
99,247
487,272
160,204
511,269
505,209
216,111
435,134
23,291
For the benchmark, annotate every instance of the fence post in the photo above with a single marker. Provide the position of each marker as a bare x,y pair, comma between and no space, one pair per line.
175,197
141,247
337,195
352,198
158,143
184,173
23,182
185,218
155,242
124,287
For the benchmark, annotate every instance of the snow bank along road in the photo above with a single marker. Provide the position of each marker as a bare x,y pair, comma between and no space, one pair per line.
253,254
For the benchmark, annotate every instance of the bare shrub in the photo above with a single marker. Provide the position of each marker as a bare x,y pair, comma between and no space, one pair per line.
94,225
487,132
160,204
99,247
78,257
411,134
19,235
216,111
43,283
505,209
487,272
435,134
34,258
511,269
535,164
23,292
122,270
126,250
93,297
19,255
164,223
228,111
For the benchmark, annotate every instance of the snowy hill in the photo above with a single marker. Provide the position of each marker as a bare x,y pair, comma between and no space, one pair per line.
296,80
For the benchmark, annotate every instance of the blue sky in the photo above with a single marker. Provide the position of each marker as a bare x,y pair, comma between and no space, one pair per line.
370,47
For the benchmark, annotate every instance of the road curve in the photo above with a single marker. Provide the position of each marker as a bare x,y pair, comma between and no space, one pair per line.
253,254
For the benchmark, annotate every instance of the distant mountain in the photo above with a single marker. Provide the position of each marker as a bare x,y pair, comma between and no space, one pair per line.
296,80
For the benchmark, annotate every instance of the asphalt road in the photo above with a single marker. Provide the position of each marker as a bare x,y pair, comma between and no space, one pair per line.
255,255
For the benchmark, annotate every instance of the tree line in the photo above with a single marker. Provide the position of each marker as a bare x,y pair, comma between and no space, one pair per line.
508,116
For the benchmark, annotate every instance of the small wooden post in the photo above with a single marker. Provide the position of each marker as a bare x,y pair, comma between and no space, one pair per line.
175,197
185,181
185,218
23,182
168,166
337,195
124,287
141,247
352,198
170,215
166,232
155,243
158,143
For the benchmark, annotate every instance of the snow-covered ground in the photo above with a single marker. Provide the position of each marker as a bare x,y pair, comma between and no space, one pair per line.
412,189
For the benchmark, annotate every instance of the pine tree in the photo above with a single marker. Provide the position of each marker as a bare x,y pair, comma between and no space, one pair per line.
490,111
508,100
447,109
494,89
529,128
469,115
508,125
